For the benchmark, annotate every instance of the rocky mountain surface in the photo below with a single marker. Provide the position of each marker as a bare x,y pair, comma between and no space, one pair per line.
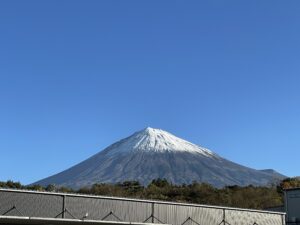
153,153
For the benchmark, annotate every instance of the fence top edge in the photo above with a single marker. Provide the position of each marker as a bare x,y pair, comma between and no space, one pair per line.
140,200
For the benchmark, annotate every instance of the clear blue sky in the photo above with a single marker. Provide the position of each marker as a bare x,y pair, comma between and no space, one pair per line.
77,76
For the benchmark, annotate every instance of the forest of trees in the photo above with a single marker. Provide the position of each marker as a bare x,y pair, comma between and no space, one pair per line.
160,189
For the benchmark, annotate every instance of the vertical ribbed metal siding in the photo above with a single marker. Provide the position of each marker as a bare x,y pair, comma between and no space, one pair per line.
30,204
50,205
235,217
177,214
97,209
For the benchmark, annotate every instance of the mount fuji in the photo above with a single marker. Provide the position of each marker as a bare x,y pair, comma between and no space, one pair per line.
153,153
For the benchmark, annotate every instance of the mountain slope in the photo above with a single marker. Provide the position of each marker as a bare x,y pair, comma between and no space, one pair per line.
153,153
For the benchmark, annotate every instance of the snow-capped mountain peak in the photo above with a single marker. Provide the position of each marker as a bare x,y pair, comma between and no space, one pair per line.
157,140
153,153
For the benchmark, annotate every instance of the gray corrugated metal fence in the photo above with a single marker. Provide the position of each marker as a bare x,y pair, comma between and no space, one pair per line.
45,204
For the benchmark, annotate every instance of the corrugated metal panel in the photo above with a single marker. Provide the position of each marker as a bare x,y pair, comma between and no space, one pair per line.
234,217
177,215
50,221
37,205
99,208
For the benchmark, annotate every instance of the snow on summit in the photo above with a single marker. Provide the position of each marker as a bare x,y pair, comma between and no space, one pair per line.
153,153
157,140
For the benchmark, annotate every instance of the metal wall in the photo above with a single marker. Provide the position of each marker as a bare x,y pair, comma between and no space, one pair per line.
292,205
51,205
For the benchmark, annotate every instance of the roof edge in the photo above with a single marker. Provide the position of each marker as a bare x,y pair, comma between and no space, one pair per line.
139,200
